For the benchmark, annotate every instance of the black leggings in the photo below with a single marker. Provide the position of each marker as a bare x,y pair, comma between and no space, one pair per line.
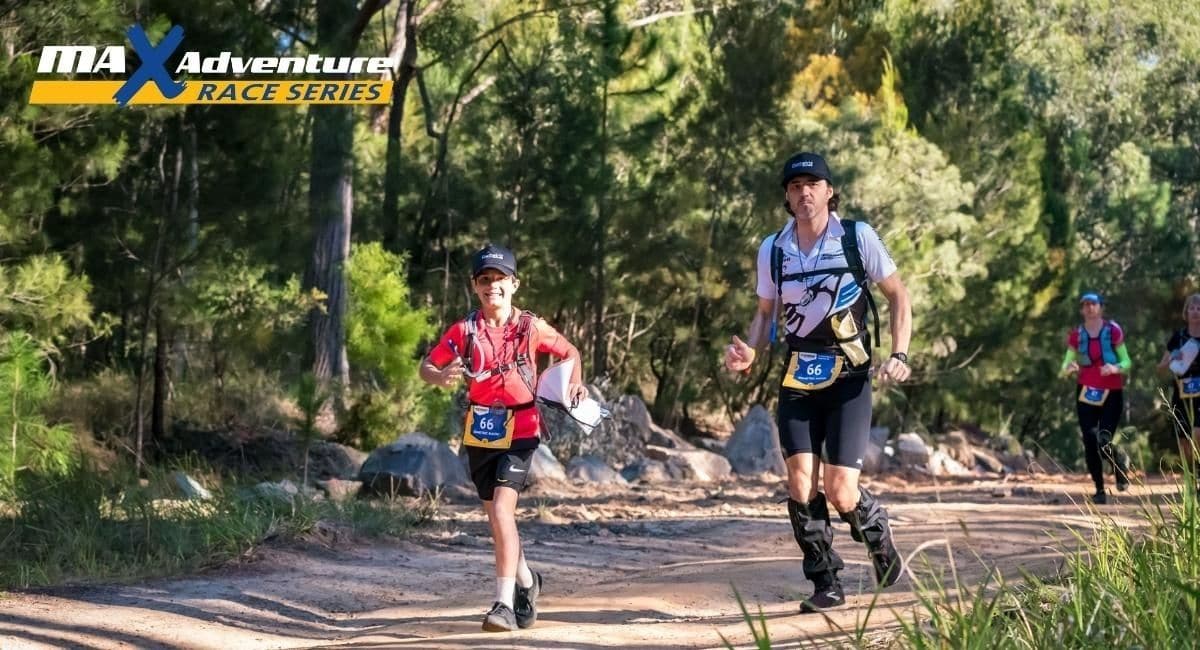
1098,425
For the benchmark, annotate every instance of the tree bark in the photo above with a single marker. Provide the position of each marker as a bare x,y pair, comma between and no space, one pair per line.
331,203
405,43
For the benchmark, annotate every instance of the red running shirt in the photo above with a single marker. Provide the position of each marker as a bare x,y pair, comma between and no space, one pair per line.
1090,375
497,346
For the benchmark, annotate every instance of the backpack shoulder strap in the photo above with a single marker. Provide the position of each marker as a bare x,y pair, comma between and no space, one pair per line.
854,262
777,262
851,252
525,359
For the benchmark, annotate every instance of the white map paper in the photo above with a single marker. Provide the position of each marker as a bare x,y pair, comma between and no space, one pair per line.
552,389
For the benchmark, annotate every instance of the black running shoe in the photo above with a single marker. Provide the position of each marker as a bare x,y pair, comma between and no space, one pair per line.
887,561
824,597
1100,497
525,603
501,618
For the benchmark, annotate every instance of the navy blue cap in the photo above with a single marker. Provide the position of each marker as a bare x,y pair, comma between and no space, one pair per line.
806,164
493,257
1092,296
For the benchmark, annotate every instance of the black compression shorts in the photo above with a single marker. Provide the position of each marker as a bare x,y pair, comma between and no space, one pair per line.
836,419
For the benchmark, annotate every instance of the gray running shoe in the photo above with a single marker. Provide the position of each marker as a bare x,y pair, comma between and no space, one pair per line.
500,619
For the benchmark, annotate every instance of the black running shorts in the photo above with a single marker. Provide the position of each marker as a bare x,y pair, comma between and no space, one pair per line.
492,468
836,419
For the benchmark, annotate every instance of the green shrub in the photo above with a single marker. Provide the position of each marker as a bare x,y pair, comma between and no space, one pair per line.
27,443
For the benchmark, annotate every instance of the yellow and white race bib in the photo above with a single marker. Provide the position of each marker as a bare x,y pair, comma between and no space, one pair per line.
1093,396
488,427
812,371
1189,387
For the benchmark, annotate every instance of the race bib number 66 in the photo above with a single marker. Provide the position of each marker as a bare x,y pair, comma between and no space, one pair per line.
489,427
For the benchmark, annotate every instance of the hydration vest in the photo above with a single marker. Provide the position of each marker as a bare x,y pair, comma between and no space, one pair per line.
1106,346
854,266
523,363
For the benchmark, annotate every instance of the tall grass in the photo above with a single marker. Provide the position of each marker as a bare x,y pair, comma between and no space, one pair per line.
1119,587
81,528
1125,587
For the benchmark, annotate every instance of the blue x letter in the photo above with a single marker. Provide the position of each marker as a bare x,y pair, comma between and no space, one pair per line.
153,68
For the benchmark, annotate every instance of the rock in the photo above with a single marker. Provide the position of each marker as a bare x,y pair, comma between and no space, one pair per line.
875,460
634,423
913,450
545,466
754,446
1016,462
956,446
190,487
650,471
283,491
339,490
989,462
333,460
701,465
711,444
941,464
412,465
591,469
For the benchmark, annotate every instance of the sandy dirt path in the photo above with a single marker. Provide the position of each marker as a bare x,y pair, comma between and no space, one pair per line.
625,568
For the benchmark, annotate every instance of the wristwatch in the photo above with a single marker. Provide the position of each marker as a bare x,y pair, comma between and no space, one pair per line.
903,358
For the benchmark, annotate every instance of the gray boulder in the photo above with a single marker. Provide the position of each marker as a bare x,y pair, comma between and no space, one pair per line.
333,460
913,450
634,424
754,446
645,470
545,466
412,465
592,469
700,464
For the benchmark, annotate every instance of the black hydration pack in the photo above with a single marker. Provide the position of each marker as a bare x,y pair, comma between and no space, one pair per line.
854,266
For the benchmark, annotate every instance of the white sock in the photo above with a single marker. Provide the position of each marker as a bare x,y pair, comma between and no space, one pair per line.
505,588
524,575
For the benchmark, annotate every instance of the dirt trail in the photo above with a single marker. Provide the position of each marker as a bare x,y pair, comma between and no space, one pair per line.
625,568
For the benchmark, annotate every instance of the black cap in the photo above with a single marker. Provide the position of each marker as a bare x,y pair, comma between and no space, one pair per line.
493,257
806,164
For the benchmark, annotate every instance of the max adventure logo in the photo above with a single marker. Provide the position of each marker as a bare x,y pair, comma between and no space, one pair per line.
152,82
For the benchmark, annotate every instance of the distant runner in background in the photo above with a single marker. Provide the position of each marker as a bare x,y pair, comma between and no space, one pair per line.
815,275
1182,362
1096,352
494,348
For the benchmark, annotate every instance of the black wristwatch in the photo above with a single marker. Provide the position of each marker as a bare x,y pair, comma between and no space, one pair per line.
903,358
